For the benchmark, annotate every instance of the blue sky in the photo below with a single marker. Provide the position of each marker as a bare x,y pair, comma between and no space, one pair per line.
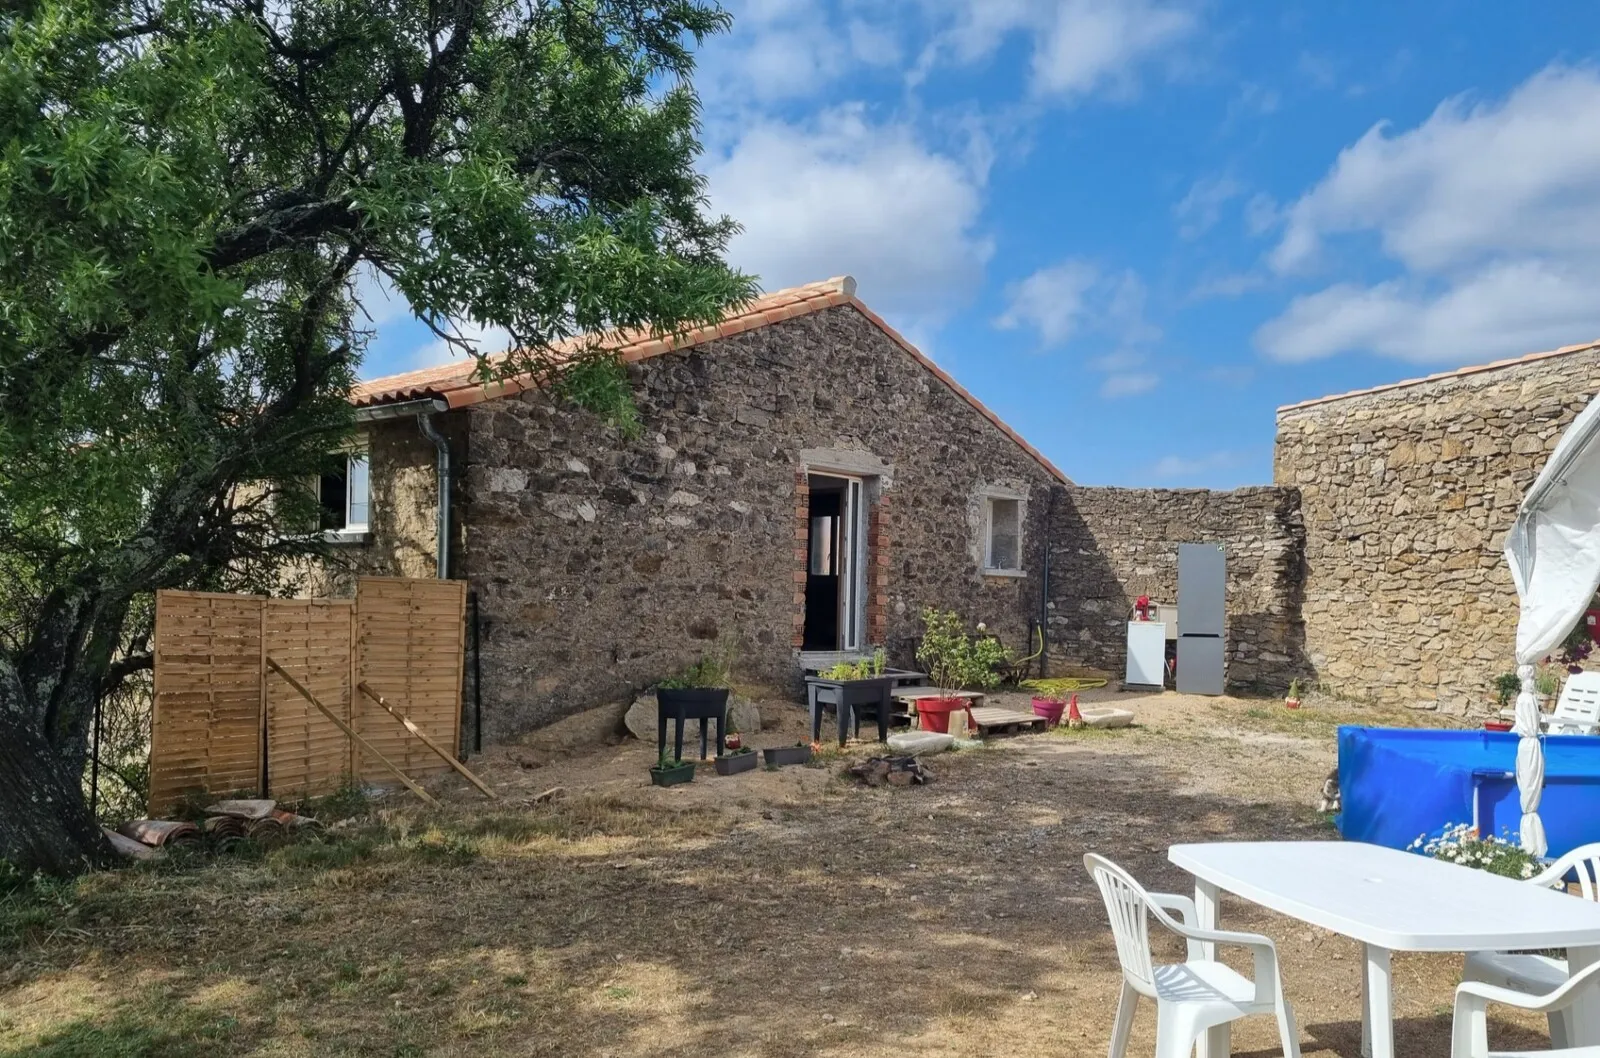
1134,228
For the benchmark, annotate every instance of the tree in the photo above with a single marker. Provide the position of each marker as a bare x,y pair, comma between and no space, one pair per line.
195,198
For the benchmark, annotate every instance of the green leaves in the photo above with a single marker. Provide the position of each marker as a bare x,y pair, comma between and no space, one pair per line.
187,188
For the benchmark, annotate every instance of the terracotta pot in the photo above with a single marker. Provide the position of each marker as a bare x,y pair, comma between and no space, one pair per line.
933,714
1497,725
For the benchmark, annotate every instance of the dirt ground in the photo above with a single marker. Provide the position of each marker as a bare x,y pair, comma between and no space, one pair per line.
772,914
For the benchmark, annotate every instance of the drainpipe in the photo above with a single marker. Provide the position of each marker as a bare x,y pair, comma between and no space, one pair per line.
425,420
1044,586
424,411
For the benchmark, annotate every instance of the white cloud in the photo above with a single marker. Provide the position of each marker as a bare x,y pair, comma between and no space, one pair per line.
781,50
1192,466
1094,44
1471,182
1492,213
841,194
1080,47
1199,210
1076,298
1503,310
1128,384
1052,301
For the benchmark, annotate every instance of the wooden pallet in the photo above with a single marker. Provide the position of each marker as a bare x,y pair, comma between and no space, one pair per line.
993,721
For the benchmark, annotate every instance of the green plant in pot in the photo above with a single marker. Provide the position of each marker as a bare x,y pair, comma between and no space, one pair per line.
738,759
699,692
955,661
1507,686
669,772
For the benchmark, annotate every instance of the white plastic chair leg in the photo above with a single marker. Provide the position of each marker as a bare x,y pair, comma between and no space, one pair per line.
1122,1028
1560,1029
1288,1030
1175,1031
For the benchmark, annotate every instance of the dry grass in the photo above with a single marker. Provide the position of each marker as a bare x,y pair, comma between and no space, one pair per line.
771,914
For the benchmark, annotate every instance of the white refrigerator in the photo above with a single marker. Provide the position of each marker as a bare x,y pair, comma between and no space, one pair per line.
1202,610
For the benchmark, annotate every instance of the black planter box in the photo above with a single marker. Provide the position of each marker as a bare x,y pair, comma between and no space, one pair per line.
787,755
673,776
678,704
734,763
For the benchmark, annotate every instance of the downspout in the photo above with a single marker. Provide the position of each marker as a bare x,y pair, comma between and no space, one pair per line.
442,561
1044,586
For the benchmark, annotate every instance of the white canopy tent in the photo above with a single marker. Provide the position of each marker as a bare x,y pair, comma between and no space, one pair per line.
1554,553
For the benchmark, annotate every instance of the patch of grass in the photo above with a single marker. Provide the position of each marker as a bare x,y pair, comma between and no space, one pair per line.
348,802
149,1027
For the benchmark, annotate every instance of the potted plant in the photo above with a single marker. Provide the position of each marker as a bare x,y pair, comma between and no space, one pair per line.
955,661
700,692
1292,699
853,686
799,753
669,772
1049,706
736,761
1547,684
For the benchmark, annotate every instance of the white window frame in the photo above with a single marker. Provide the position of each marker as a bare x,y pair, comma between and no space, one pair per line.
986,545
353,531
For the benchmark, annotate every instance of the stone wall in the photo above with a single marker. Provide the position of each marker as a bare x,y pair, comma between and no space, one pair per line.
1112,545
603,564
1407,494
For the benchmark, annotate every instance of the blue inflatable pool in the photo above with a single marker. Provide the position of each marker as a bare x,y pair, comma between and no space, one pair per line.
1399,783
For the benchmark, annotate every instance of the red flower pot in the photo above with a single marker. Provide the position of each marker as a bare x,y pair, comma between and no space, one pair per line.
1497,725
933,714
1049,708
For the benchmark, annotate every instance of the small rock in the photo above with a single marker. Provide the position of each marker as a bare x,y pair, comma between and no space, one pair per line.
1030,997
828,1019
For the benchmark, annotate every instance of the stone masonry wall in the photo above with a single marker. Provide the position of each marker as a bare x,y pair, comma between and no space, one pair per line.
603,564
1407,495
1113,545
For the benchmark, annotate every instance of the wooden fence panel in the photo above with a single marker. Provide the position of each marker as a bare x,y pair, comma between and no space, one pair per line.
307,755
409,648
206,719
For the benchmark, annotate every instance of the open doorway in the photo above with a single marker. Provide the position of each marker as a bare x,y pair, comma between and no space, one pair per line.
835,564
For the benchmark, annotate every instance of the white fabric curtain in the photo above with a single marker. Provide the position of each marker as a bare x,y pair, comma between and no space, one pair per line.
1554,553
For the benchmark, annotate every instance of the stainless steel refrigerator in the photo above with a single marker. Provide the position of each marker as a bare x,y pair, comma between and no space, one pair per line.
1202,599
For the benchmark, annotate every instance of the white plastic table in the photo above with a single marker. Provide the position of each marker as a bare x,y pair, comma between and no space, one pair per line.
1394,901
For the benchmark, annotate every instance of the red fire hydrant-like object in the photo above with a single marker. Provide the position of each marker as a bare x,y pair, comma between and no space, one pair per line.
1141,608
1074,718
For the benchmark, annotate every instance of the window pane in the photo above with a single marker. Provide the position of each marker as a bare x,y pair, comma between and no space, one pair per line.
1004,534
358,492
331,494
822,557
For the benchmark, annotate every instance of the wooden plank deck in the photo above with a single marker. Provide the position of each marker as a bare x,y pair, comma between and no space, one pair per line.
992,721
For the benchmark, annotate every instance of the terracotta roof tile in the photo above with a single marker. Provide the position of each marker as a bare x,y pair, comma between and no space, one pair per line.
453,382
1497,365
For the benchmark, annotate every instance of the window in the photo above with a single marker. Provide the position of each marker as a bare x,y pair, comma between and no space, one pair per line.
1004,545
343,492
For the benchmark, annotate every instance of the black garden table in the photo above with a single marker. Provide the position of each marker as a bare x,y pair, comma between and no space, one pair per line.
691,703
850,697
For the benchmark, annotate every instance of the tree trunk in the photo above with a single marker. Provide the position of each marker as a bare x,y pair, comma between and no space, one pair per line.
45,824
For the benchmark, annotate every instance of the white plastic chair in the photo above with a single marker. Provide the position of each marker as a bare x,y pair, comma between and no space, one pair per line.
1538,974
1469,1036
1192,996
1578,708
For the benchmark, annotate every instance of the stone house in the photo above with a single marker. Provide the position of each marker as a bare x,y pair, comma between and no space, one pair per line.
1407,491
806,481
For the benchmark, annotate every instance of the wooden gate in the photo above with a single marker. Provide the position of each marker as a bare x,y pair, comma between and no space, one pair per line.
222,724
